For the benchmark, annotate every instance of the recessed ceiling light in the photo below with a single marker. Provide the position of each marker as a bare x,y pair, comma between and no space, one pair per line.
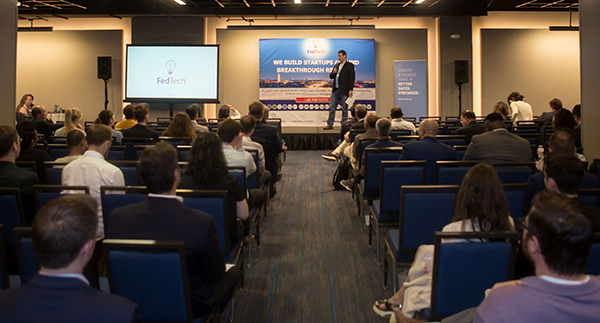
181,2
298,1
419,1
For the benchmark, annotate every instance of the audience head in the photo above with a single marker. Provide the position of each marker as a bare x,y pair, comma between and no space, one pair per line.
501,108
563,118
28,133
64,232
563,173
181,126
248,124
141,111
562,142
353,111
361,111
396,113
193,111
577,112
265,114
9,142
494,121
229,130
99,137
555,104
26,99
39,112
159,168
223,112
206,161
72,118
76,142
128,112
383,127
557,234
105,117
370,120
481,199
256,109
466,117
515,96
428,128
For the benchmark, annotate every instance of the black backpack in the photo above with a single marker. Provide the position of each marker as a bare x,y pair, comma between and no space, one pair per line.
341,173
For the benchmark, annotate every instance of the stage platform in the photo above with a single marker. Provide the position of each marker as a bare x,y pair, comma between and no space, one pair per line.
311,138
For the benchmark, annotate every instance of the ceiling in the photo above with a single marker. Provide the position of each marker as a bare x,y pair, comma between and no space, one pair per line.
29,9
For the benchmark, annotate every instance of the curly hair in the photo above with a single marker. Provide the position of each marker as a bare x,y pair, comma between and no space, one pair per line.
206,161
181,126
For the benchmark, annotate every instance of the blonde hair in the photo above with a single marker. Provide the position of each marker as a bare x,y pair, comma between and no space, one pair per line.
71,115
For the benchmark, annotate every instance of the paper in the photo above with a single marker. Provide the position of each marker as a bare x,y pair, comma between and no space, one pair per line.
228,266
350,101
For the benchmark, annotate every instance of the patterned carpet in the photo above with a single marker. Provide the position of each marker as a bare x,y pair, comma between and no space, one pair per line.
314,264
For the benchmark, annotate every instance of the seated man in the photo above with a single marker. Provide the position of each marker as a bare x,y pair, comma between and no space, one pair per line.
270,139
557,238
360,112
77,145
129,120
353,152
400,124
162,216
13,176
92,170
140,130
29,152
470,126
43,122
248,123
428,148
545,117
193,111
498,145
64,237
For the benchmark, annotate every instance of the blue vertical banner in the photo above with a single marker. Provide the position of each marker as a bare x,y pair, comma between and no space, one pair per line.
294,77
410,79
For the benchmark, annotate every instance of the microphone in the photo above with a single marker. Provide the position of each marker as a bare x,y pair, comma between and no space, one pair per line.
337,65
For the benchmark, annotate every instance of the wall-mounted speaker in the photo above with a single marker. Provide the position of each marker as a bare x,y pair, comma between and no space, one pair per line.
104,67
461,72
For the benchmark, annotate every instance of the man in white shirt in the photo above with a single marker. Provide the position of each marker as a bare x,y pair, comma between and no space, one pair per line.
92,170
400,124
248,123
230,132
193,111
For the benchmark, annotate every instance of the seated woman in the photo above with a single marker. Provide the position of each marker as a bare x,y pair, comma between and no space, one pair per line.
207,170
24,108
480,206
228,112
106,117
502,108
72,122
181,127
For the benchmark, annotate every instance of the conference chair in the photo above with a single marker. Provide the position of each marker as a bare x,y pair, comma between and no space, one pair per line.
129,170
595,167
183,151
533,138
28,166
590,196
53,172
152,274
452,172
384,212
514,173
130,144
362,144
516,197
275,122
451,140
463,271
461,150
58,140
43,194
593,263
430,117
112,197
424,209
12,216
406,139
57,151
394,134
4,281
354,133
166,121
26,259
176,141
254,181
117,152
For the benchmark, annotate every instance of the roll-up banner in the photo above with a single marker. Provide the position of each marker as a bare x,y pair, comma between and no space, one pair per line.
410,79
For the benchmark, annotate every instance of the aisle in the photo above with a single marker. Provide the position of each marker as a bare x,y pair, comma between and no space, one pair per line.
314,264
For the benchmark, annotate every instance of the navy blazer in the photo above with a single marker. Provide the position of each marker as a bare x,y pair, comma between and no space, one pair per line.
270,138
430,150
58,299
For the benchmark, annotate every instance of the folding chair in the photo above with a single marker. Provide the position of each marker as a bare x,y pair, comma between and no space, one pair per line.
4,281
514,173
12,216
452,172
42,194
132,195
129,170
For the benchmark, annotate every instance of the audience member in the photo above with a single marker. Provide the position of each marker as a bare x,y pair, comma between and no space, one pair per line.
141,112
371,133
43,122
181,127
521,111
228,112
557,238
129,119
470,126
400,124
383,127
577,115
265,114
106,118
502,109
361,113
346,125
248,123
29,152
193,111
428,148
560,142
498,145
64,238
207,170
270,139
72,122
344,149
13,176
162,216
92,170
24,108
480,206
77,145
563,120
545,117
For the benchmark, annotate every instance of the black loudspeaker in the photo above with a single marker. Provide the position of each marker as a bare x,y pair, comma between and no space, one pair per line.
461,72
104,67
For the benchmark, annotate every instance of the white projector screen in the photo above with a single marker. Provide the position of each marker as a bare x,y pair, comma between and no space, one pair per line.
172,73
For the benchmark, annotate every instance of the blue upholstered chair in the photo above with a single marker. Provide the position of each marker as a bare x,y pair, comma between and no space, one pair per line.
451,140
27,165
253,180
424,209
452,172
12,216
26,259
42,194
4,282
183,151
117,153
54,175
113,197
463,271
516,197
460,151
593,264
393,175
514,173
129,170
176,141
130,144
590,196
58,151
394,134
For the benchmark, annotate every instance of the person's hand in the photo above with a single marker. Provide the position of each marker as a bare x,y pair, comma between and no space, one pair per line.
284,147
350,93
347,137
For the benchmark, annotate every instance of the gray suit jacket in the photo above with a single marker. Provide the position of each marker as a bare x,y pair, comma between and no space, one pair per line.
498,147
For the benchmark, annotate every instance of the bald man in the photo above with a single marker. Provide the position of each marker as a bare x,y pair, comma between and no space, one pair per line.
428,148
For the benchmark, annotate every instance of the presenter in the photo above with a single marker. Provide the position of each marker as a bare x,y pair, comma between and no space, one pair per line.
343,84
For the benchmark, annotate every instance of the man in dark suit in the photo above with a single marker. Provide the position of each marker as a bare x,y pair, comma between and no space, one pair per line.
343,84
470,126
348,124
428,148
140,130
268,136
497,145
162,216
555,104
43,122
64,237
13,176
371,133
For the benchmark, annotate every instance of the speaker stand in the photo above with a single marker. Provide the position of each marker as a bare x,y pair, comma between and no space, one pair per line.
459,99
105,94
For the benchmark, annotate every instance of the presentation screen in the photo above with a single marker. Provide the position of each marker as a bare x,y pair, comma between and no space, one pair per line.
173,73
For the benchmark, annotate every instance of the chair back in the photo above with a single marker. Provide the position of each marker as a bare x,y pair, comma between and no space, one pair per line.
27,165
26,259
590,196
117,153
373,159
253,180
42,194
130,144
58,150
54,175
354,133
362,144
4,281
452,172
593,263
516,197
110,201
533,138
183,151
395,133
460,151
240,174
395,174
129,170
514,173
463,271
58,140
451,140
176,141
12,216
152,274
405,139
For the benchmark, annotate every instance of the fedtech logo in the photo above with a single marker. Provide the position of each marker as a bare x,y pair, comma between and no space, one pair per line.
170,65
315,50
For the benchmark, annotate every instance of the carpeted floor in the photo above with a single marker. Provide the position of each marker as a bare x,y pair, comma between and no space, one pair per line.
314,264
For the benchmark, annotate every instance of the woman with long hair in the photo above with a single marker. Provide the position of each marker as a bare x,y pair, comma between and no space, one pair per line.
207,170
106,117
181,127
24,108
72,122
480,206
502,108
228,112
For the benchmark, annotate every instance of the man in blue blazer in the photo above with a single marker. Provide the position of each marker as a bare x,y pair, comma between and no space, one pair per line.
342,87
428,148
64,237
